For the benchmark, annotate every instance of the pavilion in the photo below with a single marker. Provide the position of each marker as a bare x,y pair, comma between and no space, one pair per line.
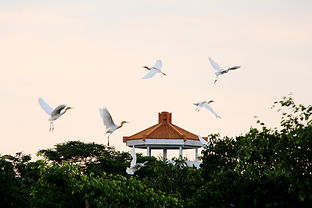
164,135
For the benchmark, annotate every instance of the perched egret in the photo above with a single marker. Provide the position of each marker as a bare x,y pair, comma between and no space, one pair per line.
220,70
205,104
109,123
134,166
153,70
204,142
54,113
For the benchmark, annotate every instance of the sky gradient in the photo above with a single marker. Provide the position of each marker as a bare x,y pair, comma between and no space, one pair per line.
89,54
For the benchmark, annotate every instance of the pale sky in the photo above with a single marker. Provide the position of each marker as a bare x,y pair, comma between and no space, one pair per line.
89,54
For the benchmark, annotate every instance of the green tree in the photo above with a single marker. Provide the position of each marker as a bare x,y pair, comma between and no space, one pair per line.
119,191
91,157
17,174
263,168
10,195
65,186
55,187
178,179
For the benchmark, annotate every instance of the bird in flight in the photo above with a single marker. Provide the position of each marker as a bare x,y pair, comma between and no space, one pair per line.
109,123
204,142
205,104
220,70
153,70
54,113
134,166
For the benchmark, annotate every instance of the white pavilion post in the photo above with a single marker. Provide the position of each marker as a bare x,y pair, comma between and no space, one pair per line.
196,154
164,154
149,151
180,152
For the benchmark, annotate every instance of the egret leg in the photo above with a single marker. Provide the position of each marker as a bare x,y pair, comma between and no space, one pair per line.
216,79
108,140
51,126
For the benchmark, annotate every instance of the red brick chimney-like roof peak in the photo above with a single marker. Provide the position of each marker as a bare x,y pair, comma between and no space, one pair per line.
164,117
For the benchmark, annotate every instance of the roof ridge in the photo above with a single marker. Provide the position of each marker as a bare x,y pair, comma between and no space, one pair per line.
153,129
183,129
176,130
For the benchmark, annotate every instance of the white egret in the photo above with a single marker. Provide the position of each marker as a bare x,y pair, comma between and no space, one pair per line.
54,113
134,166
204,142
109,123
153,70
220,70
205,104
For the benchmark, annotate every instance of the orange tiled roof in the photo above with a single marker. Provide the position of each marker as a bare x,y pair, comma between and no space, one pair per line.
163,130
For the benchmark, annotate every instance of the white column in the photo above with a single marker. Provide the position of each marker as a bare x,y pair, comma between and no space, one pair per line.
164,154
180,152
196,154
149,151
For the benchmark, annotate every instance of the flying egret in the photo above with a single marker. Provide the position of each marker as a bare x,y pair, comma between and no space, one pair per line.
134,166
54,113
220,70
153,70
205,104
204,142
109,123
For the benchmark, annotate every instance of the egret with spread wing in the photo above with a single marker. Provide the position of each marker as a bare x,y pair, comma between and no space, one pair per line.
220,70
134,166
205,104
54,113
109,123
153,70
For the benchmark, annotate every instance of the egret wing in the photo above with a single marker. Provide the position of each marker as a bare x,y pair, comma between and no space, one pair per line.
107,118
150,74
158,64
57,110
134,157
45,106
206,105
204,142
215,65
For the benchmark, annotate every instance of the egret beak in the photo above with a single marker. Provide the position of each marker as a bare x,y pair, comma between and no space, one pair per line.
123,122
